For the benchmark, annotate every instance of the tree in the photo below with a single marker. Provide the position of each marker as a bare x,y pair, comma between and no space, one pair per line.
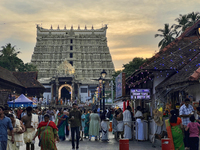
193,18
167,33
133,65
10,61
8,57
130,67
183,22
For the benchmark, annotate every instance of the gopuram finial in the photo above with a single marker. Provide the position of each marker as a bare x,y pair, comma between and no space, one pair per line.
85,27
92,27
65,27
72,27
58,27
79,27
51,27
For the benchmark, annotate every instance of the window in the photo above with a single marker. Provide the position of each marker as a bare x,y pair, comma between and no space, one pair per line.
71,47
71,55
83,90
71,41
71,62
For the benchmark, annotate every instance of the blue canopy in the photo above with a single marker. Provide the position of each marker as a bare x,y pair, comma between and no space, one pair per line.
21,101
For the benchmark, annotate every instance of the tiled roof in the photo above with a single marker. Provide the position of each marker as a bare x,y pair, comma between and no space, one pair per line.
8,76
178,53
28,79
184,75
24,79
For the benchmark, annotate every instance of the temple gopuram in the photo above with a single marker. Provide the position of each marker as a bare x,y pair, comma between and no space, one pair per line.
70,61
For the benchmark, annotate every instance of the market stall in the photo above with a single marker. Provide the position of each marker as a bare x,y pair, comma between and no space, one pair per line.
21,101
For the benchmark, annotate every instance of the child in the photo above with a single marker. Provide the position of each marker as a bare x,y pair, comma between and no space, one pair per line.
194,133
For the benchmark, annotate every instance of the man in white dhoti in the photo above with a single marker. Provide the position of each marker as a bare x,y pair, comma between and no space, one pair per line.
139,124
127,119
18,129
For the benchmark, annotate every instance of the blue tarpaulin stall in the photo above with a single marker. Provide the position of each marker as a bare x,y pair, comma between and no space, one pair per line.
21,101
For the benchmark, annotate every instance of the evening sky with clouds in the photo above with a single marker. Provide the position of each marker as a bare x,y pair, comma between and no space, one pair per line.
132,24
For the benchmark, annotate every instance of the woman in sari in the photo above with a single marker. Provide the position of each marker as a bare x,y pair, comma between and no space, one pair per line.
174,125
87,122
61,125
47,136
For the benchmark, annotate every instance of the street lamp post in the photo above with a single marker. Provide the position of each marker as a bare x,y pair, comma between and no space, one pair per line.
103,75
100,82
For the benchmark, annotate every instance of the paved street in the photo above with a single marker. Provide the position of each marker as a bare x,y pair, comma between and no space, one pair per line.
94,145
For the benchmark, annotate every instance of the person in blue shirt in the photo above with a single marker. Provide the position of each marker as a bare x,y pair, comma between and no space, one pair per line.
5,123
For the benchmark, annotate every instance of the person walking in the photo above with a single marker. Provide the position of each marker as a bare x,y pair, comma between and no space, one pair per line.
75,119
5,123
175,124
185,111
87,123
82,123
47,133
18,129
61,125
193,128
94,125
31,123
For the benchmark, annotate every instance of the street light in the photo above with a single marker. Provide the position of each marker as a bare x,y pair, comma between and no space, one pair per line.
103,75
100,81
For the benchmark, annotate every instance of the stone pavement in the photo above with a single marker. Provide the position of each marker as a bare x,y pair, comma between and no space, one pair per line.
99,145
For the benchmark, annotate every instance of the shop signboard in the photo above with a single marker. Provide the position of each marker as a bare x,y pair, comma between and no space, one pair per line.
140,94
120,85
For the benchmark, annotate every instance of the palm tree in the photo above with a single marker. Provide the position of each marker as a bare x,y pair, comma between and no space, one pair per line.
167,33
8,57
183,23
193,18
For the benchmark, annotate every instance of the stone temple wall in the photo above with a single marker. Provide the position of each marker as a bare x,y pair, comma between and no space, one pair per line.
86,50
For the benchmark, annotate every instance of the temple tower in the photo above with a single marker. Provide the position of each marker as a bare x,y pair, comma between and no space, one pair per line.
78,55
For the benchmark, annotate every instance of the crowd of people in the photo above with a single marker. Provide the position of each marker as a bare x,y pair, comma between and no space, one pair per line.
184,127
19,126
22,125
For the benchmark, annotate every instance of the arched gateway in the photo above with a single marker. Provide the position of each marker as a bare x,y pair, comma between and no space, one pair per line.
68,87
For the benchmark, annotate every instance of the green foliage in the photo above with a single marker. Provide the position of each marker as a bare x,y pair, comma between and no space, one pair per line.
130,67
133,65
10,61
169,34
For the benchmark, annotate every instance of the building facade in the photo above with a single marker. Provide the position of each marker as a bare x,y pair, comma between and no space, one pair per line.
71,60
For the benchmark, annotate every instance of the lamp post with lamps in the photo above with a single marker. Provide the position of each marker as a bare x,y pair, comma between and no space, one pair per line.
100,82
103,75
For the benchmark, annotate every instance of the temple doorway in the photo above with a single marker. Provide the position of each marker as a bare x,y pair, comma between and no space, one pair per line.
65,91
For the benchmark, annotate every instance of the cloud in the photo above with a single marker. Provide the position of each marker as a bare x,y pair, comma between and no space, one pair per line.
131,24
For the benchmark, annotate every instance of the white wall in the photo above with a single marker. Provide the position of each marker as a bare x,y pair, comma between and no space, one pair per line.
47,94
83,96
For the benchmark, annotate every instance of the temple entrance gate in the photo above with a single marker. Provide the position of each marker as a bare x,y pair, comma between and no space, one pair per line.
65,91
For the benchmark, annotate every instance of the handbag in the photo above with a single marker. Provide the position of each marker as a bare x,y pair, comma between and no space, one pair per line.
39,144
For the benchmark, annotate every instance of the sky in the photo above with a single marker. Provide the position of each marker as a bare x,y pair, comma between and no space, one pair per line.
132,24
